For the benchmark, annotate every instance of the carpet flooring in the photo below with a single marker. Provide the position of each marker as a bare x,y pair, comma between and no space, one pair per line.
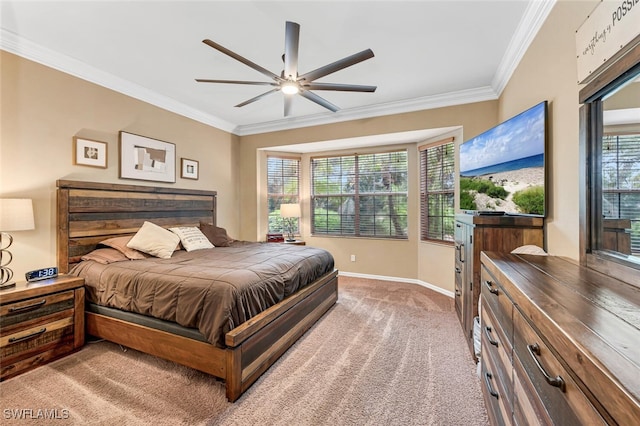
387,353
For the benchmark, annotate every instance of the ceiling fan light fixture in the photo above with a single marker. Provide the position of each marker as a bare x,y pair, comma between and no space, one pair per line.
289,88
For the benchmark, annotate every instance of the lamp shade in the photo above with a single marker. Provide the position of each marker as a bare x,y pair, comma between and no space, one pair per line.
16,214
290,210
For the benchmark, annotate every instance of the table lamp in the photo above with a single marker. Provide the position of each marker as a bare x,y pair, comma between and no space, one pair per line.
289,212
16,214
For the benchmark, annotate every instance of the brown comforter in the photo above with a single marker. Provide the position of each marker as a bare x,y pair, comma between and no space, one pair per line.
213,290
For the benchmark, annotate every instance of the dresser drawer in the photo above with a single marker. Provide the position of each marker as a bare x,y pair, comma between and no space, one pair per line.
494,295
27,313
495,393
543,389
9,370
497,347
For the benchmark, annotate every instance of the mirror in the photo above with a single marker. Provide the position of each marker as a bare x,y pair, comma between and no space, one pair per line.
616,173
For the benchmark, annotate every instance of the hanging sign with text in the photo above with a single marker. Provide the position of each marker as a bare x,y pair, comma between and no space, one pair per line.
610,27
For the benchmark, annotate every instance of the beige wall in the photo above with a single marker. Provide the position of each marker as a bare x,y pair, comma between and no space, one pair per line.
42,109
549,71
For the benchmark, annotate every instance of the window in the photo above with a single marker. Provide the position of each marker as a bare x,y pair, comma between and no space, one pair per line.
360,195
437,191
621,191
283,179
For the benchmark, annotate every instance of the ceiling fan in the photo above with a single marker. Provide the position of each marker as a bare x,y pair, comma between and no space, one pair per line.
289,82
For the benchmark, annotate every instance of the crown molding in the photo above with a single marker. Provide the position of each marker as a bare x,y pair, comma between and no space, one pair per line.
17,45
399,107
531,22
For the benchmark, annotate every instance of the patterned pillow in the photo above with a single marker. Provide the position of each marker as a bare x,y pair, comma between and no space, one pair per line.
191,238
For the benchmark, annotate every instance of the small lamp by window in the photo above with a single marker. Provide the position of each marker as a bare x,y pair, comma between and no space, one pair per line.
289,212
16,214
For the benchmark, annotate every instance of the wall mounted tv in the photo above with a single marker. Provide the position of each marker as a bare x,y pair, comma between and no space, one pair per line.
502,171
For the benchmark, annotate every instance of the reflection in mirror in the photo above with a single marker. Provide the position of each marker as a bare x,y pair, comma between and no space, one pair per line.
619,228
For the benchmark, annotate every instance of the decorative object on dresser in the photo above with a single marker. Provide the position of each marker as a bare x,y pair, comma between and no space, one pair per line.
147,159
189,169
275,238
559,343
88,152
16,214
290,214
475,233
39,322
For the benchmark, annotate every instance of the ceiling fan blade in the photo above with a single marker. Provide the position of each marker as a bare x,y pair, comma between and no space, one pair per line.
241,59
291,41
337,65
320,101
288,104
257,98
340,87
256,83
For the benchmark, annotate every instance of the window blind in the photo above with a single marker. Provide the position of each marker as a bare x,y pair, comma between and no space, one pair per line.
621,182
437,186
283,181
362,195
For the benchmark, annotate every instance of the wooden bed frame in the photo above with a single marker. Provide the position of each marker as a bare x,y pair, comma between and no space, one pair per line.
90,212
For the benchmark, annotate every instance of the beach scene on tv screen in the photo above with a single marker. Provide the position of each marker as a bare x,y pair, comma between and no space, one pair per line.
503,168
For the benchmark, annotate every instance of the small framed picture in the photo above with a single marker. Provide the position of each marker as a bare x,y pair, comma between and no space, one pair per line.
87,152
189,169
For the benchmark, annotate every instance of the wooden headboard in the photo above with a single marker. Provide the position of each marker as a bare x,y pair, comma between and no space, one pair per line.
89,212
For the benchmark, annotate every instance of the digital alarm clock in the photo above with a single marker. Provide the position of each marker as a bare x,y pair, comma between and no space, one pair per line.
41,274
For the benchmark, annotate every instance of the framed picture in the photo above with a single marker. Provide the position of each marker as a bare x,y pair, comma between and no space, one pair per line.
189,169
147,159
87,152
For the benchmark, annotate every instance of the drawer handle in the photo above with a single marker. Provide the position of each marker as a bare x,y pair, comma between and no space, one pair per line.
492,290
459,250
487,378
458,270
458,293
15,310
487,331
534,351
28,336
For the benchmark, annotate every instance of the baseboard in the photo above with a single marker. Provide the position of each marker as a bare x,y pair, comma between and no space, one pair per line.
402,280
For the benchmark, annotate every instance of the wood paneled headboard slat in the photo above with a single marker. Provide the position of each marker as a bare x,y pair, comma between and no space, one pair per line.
89,212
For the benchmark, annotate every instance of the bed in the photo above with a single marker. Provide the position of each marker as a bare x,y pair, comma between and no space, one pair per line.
237,351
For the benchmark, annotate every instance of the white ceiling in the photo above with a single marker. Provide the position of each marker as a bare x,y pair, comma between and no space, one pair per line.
427,53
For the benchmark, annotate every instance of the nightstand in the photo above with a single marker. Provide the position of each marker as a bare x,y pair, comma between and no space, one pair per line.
296,242
39,322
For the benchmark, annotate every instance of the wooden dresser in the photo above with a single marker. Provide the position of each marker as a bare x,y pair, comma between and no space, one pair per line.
474,234
560,343
39,322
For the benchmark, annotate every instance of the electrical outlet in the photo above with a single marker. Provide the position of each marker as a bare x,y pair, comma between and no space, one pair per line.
353,257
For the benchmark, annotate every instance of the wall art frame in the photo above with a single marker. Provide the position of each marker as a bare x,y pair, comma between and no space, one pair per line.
144,158
89,152
189,169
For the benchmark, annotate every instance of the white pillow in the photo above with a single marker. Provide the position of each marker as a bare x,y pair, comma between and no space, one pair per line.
529,249
154,240
192,238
